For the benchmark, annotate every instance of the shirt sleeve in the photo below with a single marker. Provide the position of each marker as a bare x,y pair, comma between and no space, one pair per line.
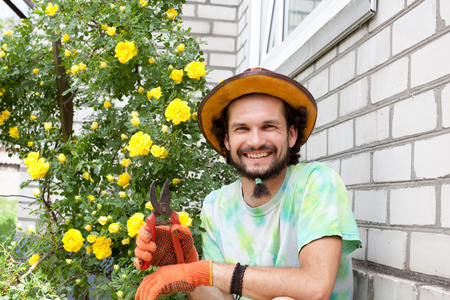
325,210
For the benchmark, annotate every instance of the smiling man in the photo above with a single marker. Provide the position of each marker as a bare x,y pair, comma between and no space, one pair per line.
284,230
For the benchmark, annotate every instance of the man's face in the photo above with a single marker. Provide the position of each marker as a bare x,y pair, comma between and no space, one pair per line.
258,138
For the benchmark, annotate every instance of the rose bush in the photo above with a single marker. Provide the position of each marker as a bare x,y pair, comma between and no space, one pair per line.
137,76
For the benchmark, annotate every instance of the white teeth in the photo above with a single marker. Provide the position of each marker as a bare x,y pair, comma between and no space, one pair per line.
258,155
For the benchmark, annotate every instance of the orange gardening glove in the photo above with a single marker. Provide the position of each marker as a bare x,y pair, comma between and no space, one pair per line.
175,278
161,252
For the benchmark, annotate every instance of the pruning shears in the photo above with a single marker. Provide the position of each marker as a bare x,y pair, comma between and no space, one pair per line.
162,208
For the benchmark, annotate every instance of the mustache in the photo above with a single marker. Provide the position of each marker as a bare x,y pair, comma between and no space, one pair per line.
262,148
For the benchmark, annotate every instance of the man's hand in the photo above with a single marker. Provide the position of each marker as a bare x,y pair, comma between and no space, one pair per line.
162,252
175,278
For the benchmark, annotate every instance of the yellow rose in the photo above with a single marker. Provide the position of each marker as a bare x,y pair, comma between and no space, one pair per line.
126,162
34,259
30,143
38,169
102,247
103,65
91,238
8,32
151,60
91,198
88,249
120,293
164,128
36,192
86,175
175,181
102,220
194,116
107,104
140,89
178,111
74,69
159,152
51,9
82,66
2,54
104,26
124,180
171,14
31,229
50,49
125,241
123,136
114,227
134,224
31,158
6,114
110,177
184,219
111,31
177,76
68,261
180,47
122,194
61,157
195,70
35,71
66,38
139,144
143,3
125,51
37,94
67,53
47,126
112,6
155,93
73,240
122,8
13,132
134,114
4,46
135,121
94,125
88,227
149,205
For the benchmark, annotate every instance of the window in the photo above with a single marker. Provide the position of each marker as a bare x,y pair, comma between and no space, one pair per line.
287,35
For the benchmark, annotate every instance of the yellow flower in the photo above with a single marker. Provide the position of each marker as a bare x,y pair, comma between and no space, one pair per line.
2,54
5,68
50,49
51,9
36,192
35,71
125,51
104,26
67,53
110,177
13,132
4,46
91,198
114,227
195,70
122,194
171,14
91,238
31,158
175,181
38,169
102,220
78,281
126,162
120,293
30,143
180,47
31,229
151,60
184,219
94,125
149,205
139,144
134,224
164,128
111,31
194,116
155,93
102,247
88,227
34,259
122,8
125,241
177,76
37,94
140,89
68,261
61,157
88,249
86,175
8,32
178,111
74,69
134,114
82,66
159,152
73,240
143,3
135,121
103,64
66,38
47,126
124,180
123,136
107,104
6,114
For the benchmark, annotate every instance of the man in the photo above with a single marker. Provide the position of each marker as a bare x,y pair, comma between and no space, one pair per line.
289,222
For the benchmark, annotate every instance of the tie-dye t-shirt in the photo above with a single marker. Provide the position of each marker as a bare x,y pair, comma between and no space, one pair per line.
310,204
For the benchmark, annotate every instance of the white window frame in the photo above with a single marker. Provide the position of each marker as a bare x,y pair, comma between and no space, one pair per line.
324,27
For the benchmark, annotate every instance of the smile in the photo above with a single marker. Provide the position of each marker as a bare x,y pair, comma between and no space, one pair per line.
257,155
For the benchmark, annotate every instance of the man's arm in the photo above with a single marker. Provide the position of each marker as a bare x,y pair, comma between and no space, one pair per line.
319,261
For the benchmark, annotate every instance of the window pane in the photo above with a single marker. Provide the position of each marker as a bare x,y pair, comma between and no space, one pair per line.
297,11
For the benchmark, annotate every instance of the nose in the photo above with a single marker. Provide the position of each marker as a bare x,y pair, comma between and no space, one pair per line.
255,139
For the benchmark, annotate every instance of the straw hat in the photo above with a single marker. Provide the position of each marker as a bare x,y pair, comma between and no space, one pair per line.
254,80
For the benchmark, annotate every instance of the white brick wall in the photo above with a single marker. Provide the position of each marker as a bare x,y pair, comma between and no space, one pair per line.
372,127
217,13
225,28
356,169
387,247
392,164
431,157
374,52
445,100
389,81
445,205
328,108
386,10
389,287
420,203
318,85
430,253
343,70
370,206
317,145
354,97
433,293
340,137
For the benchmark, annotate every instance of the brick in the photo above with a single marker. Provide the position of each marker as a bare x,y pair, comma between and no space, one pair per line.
429,253
356,169
243,8
429,292
386,10
360,253
222,60
343,70
219,44
421,204
370,206
9,183
198,27
318,85
217,74
374,52
389,81
445,100
406,31
445,11
360,284
217,13
188,10
327,110
353,38
430,62
389,287
317,145
431,157
354,97
326,58
387,247
392,164
225,28
335,164
445,206
340,137
372,127
241,55
225,2
406,114
305,73
242,37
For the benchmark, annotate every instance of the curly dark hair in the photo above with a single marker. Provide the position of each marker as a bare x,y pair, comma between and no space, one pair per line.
295,117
